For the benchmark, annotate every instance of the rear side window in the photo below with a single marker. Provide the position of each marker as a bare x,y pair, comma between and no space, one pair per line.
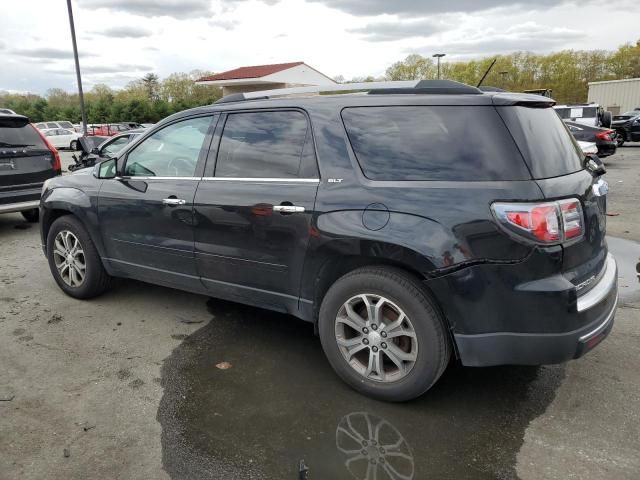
547,146
52,125
266,145
66,124
433,143
26,135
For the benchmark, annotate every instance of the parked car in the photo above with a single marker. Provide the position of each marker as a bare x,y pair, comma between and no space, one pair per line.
63,138
590,114
364,214
27,160
106,147
603,138
627,127
132,125
50,125
106,130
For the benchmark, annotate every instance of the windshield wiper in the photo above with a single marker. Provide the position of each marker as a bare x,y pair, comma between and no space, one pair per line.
10,145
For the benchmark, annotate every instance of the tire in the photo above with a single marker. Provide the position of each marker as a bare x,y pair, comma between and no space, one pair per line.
400,293
74,145
32,215
606,119
95,280
620,140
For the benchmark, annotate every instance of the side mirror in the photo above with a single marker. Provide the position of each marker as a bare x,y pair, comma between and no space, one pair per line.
95,151
594,165
107,169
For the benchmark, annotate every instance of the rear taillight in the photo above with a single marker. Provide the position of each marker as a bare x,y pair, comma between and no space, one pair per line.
606,136
546,223
56,163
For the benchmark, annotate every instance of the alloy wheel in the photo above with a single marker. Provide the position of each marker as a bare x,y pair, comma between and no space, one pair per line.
376,338
69,259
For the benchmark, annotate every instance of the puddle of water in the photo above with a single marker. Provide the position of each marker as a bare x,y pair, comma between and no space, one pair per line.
280,403
627,254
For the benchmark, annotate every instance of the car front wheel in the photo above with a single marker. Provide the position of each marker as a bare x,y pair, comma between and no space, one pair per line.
73,259
382,334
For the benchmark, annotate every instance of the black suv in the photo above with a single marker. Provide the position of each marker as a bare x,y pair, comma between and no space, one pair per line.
27,160
410,224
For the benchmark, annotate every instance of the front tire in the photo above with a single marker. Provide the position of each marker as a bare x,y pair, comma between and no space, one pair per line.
382,334
73,259
31,215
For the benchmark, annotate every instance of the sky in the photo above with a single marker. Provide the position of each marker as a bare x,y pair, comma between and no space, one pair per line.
121,40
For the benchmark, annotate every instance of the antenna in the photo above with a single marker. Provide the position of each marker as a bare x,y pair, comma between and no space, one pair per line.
487,72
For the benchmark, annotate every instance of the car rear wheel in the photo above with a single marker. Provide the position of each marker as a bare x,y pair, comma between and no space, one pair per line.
382,334
31,215
620,140
74,260
74,145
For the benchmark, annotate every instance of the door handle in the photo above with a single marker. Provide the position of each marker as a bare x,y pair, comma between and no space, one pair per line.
173,201
288,209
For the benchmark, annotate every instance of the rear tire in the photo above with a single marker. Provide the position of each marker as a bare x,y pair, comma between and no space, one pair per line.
620,140
374,353
73,259
606,120
32,215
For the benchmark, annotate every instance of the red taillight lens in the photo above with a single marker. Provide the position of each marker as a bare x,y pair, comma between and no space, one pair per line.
604,135
545,223
57,163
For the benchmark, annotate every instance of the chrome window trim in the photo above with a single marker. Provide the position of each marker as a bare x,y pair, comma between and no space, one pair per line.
261,180
602,289
157,178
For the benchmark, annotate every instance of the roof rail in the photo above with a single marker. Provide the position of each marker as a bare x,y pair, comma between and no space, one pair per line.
393,87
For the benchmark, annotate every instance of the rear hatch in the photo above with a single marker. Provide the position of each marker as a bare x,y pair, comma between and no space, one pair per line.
25,159
556,164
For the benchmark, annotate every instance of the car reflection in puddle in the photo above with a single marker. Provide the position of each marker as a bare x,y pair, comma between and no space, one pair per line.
373,448
281,407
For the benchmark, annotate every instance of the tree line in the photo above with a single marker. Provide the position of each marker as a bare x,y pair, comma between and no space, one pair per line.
150,99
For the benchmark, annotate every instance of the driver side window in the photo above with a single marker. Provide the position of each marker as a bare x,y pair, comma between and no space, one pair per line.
170,152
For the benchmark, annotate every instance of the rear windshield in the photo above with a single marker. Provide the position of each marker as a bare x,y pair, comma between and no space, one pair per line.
547,145
26,135
450,143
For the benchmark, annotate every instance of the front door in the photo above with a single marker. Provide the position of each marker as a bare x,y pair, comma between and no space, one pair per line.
146,214
253,208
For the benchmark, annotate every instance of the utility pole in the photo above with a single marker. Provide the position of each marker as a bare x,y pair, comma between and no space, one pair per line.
438,56
83,112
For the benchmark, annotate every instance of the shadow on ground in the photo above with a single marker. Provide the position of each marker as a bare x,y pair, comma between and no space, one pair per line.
280,403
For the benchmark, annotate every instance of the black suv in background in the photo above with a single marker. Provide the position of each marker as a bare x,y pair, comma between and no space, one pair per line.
411,224
27,160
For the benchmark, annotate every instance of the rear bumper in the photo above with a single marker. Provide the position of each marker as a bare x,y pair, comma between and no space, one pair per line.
512,348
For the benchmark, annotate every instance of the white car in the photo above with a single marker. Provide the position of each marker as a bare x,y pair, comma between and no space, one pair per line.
6,111
42,126
62,137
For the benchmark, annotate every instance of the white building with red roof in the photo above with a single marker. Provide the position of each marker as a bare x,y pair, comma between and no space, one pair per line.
266,77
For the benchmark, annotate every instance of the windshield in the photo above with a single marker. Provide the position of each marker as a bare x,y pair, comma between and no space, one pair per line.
23,136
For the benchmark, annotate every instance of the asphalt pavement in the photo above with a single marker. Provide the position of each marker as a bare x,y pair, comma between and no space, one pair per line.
151,383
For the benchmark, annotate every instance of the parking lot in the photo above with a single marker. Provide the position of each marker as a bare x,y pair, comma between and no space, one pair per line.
134,385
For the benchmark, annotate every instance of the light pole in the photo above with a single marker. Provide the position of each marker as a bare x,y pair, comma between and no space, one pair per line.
75,56
438,56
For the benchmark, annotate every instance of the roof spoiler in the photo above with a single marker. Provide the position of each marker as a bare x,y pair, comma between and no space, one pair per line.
438,87
13,121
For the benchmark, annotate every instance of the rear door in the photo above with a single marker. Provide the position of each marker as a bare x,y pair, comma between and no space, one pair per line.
25,161
253,208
